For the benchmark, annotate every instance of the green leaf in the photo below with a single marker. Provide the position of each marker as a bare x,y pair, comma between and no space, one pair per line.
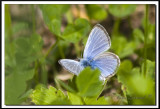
96,12
121,10
126,48
138,35
28,49
19,67
15,86
94,101
72,83
50,96
69,16
150,72
26,94
75,32
88,83
138,89
75,99
67,87
19,26
124,71
141,93
52,14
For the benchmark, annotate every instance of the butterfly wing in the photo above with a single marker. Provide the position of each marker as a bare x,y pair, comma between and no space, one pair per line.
107,63
98,42
71,66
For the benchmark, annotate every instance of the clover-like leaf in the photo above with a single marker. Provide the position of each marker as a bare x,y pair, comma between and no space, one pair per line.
48,96
96,12
126,47
89,83
75,99
52,15
15,86
75,32
138,89
95,101
19,67
121,10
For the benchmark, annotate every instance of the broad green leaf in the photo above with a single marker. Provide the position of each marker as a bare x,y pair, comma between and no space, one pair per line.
67,87
28,50
72,83
26,94
140,90
126,48
138,36
88,83
69,16
15,86
19,67
75,99
50,96
19,26
121,10
96,12
137,88
124,71
52,14
94,101
150,72
75,32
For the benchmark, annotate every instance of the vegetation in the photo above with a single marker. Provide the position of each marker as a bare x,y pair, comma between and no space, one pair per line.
37,36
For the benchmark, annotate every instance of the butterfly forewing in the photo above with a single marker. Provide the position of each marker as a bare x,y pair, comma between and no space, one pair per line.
97,42
71,65
107,63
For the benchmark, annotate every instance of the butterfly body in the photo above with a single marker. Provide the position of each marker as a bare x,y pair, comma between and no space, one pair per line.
94,55
86,63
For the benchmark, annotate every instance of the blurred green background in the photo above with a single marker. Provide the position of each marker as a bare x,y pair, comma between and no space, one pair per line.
37,36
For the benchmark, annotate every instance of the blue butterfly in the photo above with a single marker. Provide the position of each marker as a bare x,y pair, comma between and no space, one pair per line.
94,55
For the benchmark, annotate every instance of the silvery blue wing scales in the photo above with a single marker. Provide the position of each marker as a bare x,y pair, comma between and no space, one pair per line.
94,55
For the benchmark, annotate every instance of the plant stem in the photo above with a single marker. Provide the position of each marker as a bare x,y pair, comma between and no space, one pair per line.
145,40
77,50
51,48
36,72
116,27
8,25
61,50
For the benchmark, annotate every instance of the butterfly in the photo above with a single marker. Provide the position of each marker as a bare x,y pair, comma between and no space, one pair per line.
94,55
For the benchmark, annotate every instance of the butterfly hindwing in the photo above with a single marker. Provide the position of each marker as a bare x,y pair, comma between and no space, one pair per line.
71,65
98,42
107,63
